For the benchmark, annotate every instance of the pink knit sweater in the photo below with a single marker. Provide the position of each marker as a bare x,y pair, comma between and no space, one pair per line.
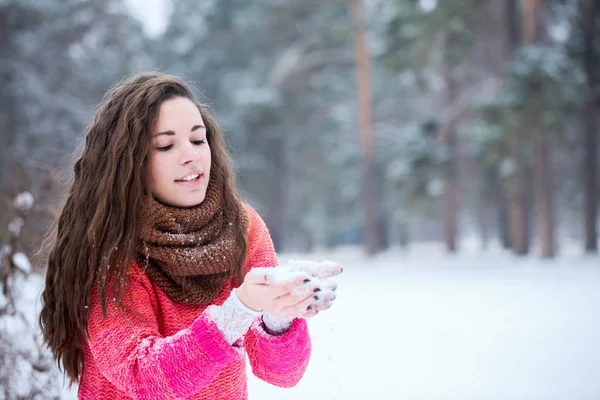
177,352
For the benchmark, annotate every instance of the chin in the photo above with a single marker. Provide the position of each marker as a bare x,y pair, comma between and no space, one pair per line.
193,201
182,200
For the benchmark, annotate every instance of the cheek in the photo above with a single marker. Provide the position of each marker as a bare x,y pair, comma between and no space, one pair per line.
205,157
154,171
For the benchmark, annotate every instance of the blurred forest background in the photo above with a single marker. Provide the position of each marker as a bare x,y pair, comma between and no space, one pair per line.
352,123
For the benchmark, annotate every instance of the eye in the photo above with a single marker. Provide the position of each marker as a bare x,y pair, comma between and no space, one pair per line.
198,142
164,148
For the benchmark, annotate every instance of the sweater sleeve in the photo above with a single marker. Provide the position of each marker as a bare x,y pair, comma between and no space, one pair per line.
130,353
280,360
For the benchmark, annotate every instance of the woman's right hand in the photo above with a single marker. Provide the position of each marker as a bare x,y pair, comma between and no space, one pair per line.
263,291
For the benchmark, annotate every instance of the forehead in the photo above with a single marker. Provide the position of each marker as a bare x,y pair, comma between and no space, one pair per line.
176,113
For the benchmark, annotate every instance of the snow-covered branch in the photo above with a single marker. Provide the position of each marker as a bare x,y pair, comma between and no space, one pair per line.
12,260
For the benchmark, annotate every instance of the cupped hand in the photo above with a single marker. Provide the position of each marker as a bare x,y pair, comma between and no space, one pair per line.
322,273
299,289
269,289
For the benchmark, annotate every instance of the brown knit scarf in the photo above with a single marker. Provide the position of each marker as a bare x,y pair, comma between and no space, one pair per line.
190,252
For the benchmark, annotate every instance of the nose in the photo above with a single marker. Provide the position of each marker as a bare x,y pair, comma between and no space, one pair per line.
189,154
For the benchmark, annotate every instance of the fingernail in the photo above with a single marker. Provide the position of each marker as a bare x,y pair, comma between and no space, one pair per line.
308,308
317,290
316,297
306,280
341,269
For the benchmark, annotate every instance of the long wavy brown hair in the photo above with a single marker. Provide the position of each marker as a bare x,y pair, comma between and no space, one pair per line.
93,240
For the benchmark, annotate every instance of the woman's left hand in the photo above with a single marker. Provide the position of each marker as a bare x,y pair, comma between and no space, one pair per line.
290,306
307,301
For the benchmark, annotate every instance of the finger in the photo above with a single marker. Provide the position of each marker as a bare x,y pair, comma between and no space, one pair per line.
314,285
281,275
309,314
328,269
326,294
300,308
258,276
301,282
323,306
288,300
329,284
275,276
325,301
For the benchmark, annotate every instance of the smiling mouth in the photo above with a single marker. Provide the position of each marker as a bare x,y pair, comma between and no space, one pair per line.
190,178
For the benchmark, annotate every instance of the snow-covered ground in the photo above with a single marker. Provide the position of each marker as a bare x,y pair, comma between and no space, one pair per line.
425,325
476,326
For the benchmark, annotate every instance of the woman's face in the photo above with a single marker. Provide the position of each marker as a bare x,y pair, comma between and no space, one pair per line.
180,157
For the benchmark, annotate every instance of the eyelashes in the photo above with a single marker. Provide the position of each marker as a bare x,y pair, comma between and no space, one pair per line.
196,142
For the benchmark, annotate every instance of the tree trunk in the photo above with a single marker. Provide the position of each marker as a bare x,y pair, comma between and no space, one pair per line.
519,241
482,224
515,197
590,165
371,234
450,198
276,150
543,195
503,228
541,146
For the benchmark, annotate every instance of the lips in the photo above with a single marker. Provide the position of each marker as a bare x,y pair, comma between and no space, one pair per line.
191,177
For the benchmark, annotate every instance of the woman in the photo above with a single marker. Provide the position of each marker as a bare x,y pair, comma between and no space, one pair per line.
142,296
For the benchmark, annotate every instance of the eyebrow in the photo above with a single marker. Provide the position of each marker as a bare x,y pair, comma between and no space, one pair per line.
172,133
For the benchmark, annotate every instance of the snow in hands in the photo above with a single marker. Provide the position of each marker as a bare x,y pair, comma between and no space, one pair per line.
320,270
314,273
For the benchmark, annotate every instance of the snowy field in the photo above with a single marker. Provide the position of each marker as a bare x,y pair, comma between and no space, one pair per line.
425,325
477,326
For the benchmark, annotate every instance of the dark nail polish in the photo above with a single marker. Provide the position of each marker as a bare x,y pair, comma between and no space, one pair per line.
316,297
308,308
341,269
306,281
317,290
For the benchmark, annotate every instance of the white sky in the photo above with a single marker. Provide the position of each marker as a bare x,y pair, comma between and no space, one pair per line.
153,14
428,5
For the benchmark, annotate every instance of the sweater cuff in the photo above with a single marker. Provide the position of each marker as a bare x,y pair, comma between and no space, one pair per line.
261,331
212,342
274,326
232,318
